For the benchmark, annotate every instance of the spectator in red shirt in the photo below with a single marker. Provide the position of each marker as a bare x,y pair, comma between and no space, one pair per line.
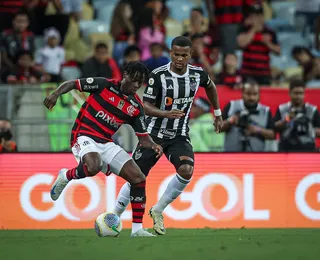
228,15
101,65
257,42
230,76
16,39
26,71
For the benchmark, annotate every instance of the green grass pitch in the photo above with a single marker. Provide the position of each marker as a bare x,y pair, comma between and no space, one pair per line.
185,244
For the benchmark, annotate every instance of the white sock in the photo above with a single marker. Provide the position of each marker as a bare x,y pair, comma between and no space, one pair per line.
174,189
136,227
123,199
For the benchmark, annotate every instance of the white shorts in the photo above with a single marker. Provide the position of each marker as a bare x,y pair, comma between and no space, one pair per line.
113,155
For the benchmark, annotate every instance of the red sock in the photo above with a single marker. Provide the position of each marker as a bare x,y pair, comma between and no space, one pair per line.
81,171
138,201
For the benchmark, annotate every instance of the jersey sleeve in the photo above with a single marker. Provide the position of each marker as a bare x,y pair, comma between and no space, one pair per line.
152,92
91,85
205,80
138,124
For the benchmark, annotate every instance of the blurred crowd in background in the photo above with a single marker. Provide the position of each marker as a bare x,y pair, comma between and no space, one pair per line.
271,42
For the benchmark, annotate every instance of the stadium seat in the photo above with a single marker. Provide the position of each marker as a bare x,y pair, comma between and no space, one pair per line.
104,13
280,25
102,37
285,10
87,11
288,40
89,27
39,42
239,54
69,73
179,10
97,4
313,84
173,28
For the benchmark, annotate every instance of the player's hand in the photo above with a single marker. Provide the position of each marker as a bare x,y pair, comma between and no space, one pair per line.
218,123
233,120
174,113
253,130
158,149
51,100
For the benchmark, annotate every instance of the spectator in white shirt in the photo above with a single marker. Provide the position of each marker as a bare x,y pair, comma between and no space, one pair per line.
51,56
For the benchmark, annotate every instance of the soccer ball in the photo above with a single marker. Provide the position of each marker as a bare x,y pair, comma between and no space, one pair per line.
108,225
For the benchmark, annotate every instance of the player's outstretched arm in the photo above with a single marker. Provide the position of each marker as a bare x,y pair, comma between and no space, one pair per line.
152,110
64,88
212,95
147,142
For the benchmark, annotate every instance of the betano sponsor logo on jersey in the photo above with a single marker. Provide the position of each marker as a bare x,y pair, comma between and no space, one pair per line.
178,101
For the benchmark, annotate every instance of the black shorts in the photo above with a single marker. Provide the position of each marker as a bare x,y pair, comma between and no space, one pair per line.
178,151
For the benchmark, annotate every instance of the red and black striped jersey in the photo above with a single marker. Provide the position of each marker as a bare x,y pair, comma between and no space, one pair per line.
231,11
11,6
255,57
230,80
105,110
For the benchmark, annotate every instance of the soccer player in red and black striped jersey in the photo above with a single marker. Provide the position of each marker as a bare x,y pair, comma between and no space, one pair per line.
257,42
109,105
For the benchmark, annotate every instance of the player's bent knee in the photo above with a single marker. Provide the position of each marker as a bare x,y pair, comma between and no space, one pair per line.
94,165
136,175
132,173
185,171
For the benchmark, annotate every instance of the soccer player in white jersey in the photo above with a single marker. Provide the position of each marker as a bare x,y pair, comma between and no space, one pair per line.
168,99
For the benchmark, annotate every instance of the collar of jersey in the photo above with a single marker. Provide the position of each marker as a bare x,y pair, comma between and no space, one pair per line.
177,75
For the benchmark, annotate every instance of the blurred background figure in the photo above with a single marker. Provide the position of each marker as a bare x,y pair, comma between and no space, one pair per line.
297,121
228,15
16,39
101,65
248,123
26,71
230,75
157,58
122,29
257,42
148,32
201,55
131,53
7,145
52,56
202,134
309,63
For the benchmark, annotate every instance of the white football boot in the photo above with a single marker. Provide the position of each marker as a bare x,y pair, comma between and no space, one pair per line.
158,225
59,184
142,233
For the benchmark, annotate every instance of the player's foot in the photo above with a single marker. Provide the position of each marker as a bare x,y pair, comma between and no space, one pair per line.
158,225
142,233
60,183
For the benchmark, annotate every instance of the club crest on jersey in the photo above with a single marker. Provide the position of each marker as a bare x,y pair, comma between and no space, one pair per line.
137,155
193,84
89,80
151,81
131,110
121,104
